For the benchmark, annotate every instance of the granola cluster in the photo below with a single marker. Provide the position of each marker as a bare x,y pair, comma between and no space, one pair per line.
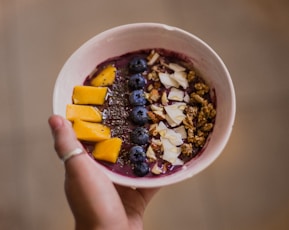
192,93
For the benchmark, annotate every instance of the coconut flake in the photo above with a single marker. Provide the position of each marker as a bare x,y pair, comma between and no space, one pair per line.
171,152
174,137
175,112
176,94
161,128
170,121
187,97
160,114
178,162
167,81
181,130
176,67
180,78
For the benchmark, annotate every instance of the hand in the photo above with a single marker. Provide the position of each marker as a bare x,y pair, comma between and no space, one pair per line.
95,201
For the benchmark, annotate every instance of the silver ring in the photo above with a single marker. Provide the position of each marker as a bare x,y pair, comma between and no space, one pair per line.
71,154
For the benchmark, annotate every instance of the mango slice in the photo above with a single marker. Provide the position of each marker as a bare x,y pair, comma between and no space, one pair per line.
105,77
89,95
89,131
107,150
83,112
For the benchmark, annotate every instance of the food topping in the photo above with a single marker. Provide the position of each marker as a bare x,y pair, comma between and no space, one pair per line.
83,112
89,131
107,150
137,65
105,78
89,95
157,112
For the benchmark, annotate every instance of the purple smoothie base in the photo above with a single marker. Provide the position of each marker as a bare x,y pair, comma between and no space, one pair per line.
119,108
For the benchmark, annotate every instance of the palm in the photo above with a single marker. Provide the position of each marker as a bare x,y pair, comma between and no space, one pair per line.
96,201
135,202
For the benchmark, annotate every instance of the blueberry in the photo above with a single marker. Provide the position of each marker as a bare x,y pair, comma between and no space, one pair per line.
137,65
137,97
139,115
140,136
136,81
137,154
141,169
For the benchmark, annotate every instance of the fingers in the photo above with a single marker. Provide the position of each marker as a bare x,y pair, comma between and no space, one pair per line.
79,167
65,143
90,193
64,137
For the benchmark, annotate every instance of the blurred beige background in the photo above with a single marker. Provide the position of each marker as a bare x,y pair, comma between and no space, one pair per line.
245,189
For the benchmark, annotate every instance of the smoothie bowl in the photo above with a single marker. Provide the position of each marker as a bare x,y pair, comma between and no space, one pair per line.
152,104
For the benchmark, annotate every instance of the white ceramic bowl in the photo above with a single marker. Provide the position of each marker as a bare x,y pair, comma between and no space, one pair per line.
133,37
